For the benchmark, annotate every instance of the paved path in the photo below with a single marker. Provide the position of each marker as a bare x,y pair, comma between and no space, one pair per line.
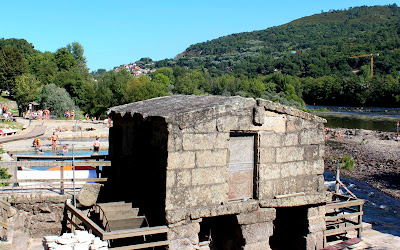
37,131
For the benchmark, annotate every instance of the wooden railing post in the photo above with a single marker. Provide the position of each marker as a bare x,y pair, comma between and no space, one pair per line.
359,230
62,177
337,185
15,176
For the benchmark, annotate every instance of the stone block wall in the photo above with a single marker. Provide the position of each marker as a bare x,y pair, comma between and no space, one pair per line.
38,214
291,161
193,158
290,151
196,167
316,227
257,227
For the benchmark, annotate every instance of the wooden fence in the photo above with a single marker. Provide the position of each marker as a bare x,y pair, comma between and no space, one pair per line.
343,214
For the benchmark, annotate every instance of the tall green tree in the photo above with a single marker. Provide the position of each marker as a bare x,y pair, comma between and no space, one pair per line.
12,65
27,88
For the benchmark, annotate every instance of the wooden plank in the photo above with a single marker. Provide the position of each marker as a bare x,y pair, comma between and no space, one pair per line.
289,195
135,232
344,204
351,209
55,180
3,225
85,220
339,222
5,205
341,230
74,224
144,245
343,216
343,245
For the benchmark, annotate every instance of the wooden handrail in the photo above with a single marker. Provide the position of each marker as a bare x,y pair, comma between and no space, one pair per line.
135,232
119,233
85,220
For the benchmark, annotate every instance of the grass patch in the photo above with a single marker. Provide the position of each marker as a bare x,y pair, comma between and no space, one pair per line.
4,99
348,162
9,124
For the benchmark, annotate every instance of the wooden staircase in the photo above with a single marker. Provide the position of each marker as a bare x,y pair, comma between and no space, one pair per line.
118,223
118,216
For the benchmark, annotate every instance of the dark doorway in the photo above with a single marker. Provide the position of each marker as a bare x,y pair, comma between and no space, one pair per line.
222,233
290,228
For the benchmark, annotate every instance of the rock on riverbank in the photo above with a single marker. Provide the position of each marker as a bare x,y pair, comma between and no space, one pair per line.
376,155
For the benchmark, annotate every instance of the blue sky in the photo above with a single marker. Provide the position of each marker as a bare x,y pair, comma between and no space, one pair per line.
118,32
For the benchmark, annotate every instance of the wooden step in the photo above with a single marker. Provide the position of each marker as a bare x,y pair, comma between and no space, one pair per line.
115,215
115,206
128,223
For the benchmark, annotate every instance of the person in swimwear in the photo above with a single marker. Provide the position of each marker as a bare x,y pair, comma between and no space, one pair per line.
96,145
54,138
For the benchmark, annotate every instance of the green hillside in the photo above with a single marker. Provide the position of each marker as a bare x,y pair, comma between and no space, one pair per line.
323,44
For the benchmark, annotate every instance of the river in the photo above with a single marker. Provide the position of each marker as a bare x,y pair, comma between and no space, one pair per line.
380,210
371,118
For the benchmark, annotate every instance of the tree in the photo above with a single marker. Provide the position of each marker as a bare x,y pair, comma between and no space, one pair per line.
27,89
56,99
12,64
64,59
112,87
142,89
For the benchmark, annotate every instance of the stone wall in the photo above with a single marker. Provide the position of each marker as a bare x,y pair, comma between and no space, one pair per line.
9,104
290,151
256,227
193,158
39,214
290,161
316,227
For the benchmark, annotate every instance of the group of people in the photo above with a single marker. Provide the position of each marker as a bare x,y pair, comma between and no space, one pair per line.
41,114
68,115
6,114
54,139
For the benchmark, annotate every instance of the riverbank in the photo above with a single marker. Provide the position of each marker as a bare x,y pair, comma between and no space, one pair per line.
376,155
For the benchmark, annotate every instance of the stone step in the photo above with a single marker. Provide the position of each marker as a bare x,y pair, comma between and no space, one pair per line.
115,206
128,223
115,215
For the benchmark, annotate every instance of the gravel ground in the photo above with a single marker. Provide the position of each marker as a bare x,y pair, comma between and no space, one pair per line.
376,155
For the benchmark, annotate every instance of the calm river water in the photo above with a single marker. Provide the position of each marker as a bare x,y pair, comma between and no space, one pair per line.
371,118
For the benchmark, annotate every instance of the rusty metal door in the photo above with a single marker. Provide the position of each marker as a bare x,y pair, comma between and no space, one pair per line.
241,167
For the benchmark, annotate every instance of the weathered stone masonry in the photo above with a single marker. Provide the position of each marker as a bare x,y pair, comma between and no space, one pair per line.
177,151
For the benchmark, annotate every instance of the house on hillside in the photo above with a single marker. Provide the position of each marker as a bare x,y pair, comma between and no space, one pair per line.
222,171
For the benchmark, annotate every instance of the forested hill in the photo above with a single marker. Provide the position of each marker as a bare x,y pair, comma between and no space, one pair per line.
311,46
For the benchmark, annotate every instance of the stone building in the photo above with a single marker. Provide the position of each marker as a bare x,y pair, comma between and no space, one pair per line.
222,171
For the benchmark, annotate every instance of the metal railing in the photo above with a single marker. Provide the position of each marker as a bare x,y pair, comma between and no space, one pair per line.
65,164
